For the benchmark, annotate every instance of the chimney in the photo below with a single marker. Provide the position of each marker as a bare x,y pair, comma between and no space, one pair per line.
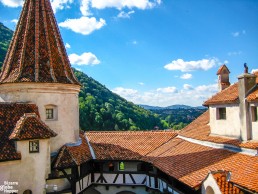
246,82
223,78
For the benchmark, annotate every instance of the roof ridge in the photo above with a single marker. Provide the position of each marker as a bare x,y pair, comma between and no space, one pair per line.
162,145
142,131
224,146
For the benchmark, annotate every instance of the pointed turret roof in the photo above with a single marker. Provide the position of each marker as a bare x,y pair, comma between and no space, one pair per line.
37,52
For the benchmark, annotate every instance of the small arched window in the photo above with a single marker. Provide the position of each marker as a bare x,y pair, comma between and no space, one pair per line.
27,192
51,112
209,190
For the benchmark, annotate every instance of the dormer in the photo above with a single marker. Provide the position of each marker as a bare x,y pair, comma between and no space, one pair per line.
223,77
233,110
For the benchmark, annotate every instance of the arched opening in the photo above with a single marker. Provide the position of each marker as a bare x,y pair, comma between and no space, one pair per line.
27,191
209,190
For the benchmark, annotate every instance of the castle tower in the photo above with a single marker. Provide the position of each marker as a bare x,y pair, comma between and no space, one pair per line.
223,77
36,69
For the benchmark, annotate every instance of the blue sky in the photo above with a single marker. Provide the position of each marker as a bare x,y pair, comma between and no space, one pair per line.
155,52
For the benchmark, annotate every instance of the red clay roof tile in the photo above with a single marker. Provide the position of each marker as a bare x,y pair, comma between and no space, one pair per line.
10,113
190,163
199,129
69,156
127,145
31,127
36,52
226,187
253,97
222,67
226,96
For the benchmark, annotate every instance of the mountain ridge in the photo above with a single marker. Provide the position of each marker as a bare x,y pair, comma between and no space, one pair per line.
175,106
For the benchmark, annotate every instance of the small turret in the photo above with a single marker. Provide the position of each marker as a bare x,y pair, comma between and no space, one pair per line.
223,78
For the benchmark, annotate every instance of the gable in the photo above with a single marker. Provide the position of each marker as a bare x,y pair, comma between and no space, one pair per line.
10,114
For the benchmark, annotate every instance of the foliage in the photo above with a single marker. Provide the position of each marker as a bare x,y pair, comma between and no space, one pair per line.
101,109
5,38
178,118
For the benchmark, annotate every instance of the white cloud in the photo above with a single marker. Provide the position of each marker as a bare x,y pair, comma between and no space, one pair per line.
125,92
123,14
167,90
134,42
188,95
56,4
14,21
140,4
141,83
207,88
67,45
86,5
187,87
186,76
84,8
234,53
185,66
84,59
237,34
60,4
254,70
83,25
12,3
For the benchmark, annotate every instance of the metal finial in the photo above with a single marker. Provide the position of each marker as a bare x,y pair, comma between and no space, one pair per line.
246,68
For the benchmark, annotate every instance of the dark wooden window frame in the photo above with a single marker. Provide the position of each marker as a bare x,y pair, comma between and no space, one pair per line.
34,146
49,113
221,113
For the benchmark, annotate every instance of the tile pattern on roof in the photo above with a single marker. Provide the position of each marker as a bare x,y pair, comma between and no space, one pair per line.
36,52
253,97
190,163
222,67
226,187
200,129
226,96
127,145
31,127
69,156
10,113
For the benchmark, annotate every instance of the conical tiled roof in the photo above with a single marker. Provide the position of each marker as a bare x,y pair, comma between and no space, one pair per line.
37,52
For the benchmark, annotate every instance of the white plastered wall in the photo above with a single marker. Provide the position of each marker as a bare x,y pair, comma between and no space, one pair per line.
31,171
229,127
63,96
254,125
210,182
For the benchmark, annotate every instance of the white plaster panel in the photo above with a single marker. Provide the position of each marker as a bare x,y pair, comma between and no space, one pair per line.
229,127
26,171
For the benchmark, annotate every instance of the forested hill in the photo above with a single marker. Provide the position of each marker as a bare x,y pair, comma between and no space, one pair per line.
5,38
100,109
